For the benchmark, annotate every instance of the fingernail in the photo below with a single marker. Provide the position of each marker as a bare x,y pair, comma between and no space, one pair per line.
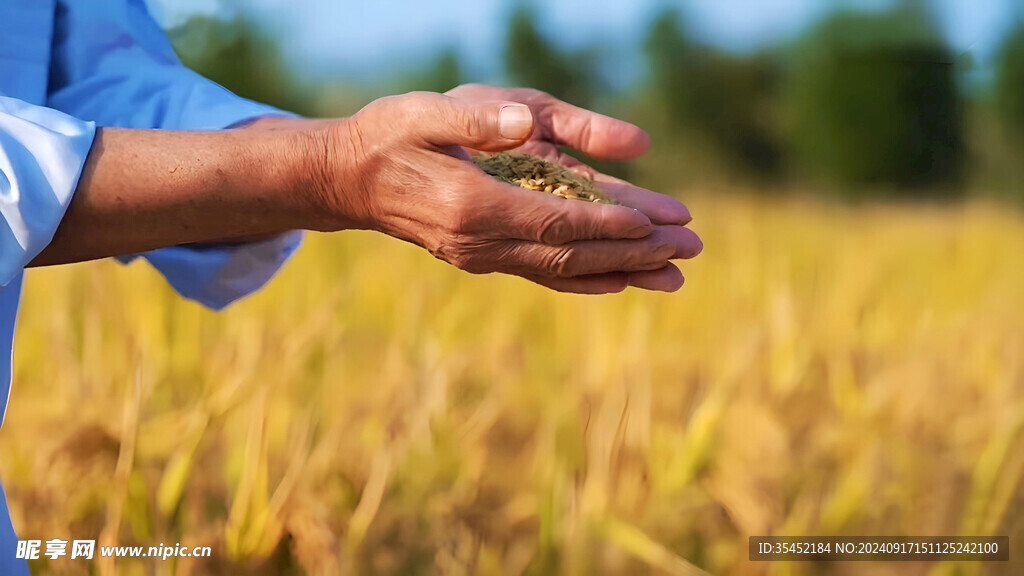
515,121
684,217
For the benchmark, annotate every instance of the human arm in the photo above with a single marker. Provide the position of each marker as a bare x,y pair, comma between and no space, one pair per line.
388,168
142,190
113,65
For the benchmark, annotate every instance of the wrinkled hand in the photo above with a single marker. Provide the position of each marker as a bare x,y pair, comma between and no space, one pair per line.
561,124
398,166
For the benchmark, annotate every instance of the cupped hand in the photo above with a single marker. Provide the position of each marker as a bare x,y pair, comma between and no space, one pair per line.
396,166
560,124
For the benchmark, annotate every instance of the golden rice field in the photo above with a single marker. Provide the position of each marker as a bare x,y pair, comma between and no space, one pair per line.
827,370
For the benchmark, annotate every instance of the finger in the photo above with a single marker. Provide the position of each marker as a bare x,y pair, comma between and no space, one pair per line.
685,241
593,134
611,283
660,208
506,211
667,279
457,152
444,121
554,154
560,122
578,258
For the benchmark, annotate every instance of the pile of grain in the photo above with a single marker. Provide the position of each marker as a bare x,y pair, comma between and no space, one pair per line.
535,173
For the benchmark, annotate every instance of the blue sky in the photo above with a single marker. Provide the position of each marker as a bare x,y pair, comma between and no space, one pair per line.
358,37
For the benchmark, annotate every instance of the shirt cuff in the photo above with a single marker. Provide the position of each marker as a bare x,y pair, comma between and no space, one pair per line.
42,155
216,275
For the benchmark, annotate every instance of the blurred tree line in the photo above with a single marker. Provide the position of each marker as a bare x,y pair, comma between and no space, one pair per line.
862,103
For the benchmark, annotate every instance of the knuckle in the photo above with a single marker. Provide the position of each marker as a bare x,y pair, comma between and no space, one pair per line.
561,261
647,253
455,251
419,98
536,94
466,89
465,122
467,261
462,217
658,249
553,227
412,105
619,283
587,133
461,247
396,112
390,104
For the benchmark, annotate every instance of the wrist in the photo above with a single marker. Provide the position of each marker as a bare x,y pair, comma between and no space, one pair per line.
330,176
291,163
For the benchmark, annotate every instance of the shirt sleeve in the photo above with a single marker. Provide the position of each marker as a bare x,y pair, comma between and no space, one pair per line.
42,154
112,64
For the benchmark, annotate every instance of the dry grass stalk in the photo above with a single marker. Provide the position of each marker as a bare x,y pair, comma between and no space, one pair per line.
837,370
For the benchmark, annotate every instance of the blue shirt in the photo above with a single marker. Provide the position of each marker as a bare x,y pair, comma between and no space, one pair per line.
67,66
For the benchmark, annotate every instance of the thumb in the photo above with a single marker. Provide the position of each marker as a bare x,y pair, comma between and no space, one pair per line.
486,126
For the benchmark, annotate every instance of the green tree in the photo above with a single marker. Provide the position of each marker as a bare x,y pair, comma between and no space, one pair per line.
998,137
532,60
715,97
1009,86
872,100
240,57
679,74
446,73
